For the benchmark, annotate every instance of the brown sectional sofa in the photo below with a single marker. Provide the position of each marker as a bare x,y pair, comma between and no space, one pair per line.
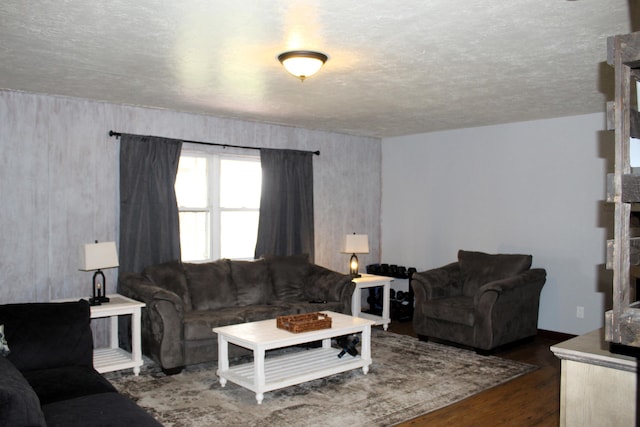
185,301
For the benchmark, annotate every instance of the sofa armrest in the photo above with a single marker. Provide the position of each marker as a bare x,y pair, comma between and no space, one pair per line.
325,284
162,334
140,288
439,282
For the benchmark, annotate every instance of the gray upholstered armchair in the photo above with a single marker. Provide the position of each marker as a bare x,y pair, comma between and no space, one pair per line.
482,301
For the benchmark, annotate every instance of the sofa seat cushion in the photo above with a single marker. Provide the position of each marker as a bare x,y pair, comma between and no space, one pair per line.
52,385
170,276
252,281
210,285
478,268
19,404
98,410
454,309
198,325
48,335
288,274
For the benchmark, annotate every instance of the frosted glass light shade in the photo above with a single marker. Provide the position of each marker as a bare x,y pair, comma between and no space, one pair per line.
302,63
96,256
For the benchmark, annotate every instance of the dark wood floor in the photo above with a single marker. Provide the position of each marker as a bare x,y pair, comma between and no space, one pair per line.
530,400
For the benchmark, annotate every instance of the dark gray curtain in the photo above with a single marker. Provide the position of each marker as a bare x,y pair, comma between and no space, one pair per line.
149,222
286,205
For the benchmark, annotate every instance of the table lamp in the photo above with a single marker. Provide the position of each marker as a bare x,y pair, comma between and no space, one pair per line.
98,256
355,244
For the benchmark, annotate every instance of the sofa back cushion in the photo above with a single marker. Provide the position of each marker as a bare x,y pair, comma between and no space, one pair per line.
48,335
252,281
19,404
210,285
170,276
288,275
479,268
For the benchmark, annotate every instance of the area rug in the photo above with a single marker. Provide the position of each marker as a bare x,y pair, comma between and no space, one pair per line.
407,378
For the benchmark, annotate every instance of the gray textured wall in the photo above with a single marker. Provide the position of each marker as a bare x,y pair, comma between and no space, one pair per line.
59,184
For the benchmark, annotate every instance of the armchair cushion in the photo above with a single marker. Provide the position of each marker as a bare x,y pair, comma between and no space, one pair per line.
454,309
210,285
479,268
288,274
172,277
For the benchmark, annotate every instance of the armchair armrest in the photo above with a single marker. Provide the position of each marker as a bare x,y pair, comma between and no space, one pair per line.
162,334
514,302
529,282
329,285
439,282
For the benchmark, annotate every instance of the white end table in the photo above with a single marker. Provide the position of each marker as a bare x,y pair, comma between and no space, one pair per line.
114,358
372,281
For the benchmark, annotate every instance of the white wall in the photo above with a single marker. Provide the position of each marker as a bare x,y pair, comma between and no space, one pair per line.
59,184
533,187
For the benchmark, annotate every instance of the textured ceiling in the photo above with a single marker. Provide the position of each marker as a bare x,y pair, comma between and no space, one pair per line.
394,68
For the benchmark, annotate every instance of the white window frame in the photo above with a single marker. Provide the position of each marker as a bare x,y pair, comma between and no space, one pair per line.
213,207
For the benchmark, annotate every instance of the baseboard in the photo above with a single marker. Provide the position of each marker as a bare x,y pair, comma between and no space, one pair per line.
556,336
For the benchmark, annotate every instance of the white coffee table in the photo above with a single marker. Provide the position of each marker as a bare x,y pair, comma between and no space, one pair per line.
276,372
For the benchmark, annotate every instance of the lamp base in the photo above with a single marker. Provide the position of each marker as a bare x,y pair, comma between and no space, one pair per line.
355,275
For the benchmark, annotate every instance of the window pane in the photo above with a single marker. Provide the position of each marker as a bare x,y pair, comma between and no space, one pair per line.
191,182
194,236
240,184
238,234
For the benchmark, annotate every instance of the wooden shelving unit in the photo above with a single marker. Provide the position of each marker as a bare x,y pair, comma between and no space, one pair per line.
622,323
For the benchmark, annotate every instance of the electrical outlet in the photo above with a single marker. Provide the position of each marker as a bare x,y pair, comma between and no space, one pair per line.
580,312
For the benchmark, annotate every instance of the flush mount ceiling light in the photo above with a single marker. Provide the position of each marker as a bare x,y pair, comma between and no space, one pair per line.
302,63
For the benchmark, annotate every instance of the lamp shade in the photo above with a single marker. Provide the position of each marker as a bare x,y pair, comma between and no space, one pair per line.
356,244
302,63
96,256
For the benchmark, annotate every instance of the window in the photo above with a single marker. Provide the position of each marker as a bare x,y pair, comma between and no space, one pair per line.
219,201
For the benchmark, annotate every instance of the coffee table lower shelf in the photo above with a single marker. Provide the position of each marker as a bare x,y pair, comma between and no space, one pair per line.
294,368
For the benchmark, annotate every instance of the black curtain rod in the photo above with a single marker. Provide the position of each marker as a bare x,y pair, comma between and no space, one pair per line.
118,134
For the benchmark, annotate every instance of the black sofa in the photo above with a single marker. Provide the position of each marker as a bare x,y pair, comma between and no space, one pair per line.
48,379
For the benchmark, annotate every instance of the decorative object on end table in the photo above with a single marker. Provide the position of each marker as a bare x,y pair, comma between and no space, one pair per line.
98,256
355,244
304,322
